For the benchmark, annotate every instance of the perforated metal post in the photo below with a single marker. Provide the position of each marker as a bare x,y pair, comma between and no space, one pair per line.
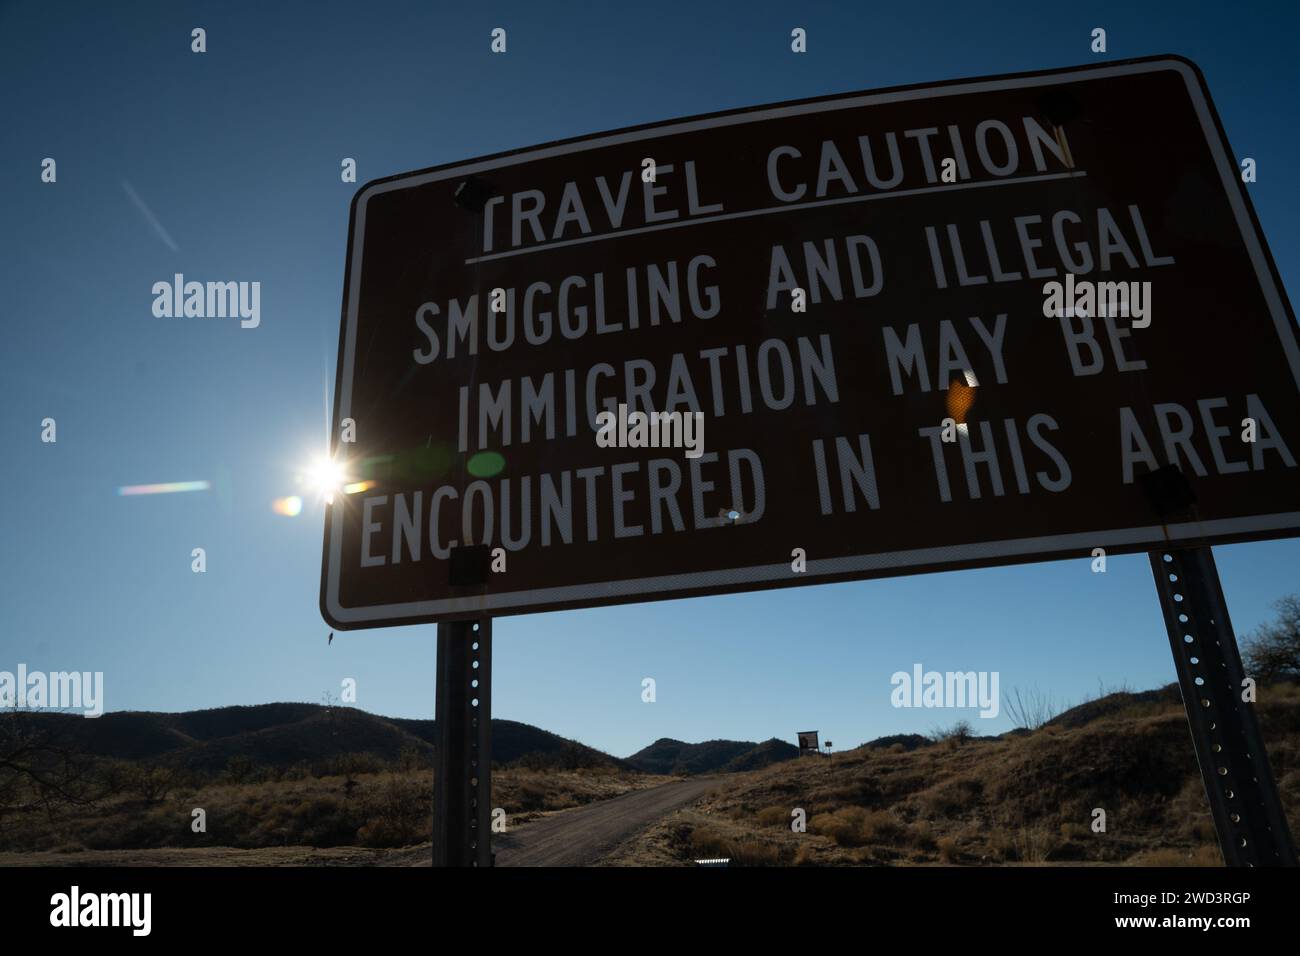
1239,782
462,780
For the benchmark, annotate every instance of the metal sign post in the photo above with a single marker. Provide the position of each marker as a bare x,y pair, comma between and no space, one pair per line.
462,782
1239,782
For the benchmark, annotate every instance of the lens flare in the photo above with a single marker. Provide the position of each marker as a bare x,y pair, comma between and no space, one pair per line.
486,464
166,488
357,487
290,507
961,396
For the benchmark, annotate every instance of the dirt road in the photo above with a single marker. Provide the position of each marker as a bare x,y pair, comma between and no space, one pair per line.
582,836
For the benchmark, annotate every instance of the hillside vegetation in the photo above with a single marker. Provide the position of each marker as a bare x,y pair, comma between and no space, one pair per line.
279,738
273,775
1024,797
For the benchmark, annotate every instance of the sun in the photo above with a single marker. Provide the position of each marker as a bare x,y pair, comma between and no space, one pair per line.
326,477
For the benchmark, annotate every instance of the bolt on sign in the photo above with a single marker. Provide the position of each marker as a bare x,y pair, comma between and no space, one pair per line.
891,332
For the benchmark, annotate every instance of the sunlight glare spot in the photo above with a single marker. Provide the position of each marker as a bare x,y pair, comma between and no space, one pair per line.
290,507
164,489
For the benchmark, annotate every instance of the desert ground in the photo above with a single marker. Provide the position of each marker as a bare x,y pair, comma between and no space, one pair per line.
1113,781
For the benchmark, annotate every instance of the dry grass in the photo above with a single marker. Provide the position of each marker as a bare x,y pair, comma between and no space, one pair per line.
725,839
856,826
947,849
1018,800
385,809
1200,856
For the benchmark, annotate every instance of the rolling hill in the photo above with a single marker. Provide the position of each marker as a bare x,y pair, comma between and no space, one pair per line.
278,736
668,756
283,735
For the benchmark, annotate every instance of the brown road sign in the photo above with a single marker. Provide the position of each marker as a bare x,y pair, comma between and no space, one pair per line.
922,328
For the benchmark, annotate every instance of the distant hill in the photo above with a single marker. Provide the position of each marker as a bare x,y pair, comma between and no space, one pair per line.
524,744
763,755
282,735
668,756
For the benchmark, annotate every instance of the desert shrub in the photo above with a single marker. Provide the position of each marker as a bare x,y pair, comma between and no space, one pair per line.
114,776
1074,831
532,795
751,853
323,821
856,826
1201,829
773,816
840,826
1003,845
152,783
1033,844
880,825
947,847
863,789
400,814
707,843
1030,709
921,835
955,735
951,797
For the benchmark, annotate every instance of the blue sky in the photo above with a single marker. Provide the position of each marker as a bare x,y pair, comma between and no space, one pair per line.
236,153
